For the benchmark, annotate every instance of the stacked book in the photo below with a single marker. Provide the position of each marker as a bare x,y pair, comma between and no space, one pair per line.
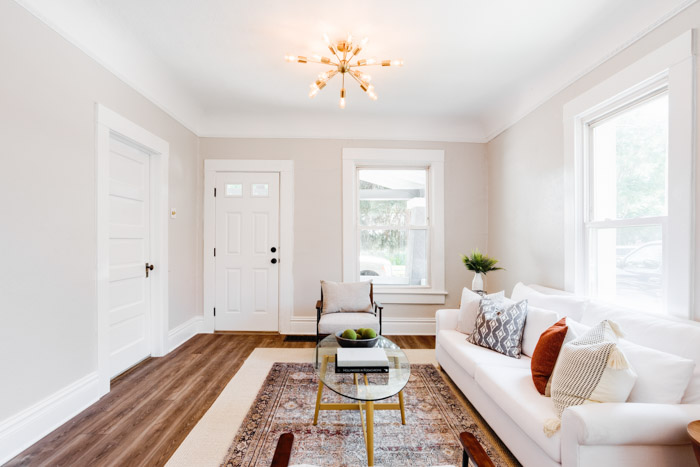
361,360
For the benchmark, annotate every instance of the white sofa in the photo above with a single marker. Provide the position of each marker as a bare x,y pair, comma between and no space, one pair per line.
596,435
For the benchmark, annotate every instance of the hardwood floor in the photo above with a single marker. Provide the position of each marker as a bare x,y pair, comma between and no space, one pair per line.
152,407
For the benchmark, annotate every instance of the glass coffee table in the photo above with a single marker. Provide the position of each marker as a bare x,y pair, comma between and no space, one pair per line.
364,388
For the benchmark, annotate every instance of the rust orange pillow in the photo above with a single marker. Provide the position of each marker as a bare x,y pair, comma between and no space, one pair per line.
546,352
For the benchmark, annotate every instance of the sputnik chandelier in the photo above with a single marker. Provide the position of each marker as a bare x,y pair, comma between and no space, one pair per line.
341,62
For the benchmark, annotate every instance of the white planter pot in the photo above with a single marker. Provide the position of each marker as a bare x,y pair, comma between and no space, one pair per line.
478,284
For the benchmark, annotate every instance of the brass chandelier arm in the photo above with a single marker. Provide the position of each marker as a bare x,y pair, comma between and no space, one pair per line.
363,85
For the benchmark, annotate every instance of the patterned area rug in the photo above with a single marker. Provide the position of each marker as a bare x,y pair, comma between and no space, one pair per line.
435,416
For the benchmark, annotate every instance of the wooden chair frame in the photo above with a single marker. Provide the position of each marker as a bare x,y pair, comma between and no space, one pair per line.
376,306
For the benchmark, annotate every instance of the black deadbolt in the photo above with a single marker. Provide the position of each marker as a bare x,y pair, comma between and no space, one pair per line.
273,260
273,249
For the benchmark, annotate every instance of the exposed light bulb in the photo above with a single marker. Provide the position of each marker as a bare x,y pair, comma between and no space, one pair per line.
325,38
313,92
365,77
290,58
364,42
397,63
342,103
323,76
372,95
349,40
370,61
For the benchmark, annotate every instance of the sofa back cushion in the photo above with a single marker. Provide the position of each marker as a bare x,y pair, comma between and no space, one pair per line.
681,338
565,305
537,322
345,296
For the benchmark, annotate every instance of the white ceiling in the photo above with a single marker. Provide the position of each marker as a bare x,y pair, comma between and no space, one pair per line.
472,68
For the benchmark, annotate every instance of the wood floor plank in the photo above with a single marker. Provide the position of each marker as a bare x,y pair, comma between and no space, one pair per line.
152,407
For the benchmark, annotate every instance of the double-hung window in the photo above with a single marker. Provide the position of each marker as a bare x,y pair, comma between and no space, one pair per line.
630,201
393,207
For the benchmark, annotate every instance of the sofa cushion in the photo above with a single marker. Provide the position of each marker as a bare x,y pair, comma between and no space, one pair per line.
662,378
512,389
469,308
565,305
538,321
500,327
332,323
470,356
345,296
669,335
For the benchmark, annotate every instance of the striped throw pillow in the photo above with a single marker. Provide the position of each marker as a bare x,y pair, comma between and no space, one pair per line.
500,327
591,368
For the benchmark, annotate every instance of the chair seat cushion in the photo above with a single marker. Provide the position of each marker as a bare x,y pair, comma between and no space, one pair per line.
334,322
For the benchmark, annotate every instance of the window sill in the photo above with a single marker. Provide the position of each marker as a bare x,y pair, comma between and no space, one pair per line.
409,295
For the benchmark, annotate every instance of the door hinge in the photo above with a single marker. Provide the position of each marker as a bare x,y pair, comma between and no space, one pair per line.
214,251
214,311
214,192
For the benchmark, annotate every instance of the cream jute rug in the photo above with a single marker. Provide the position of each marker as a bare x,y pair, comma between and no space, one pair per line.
270,398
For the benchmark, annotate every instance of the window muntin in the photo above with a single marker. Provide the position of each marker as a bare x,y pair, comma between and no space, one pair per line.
393,226
625,225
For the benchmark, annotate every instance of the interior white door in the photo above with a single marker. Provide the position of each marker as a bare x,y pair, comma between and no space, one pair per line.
129,300
247,251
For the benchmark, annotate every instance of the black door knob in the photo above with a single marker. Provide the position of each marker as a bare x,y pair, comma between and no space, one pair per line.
273,260
273,249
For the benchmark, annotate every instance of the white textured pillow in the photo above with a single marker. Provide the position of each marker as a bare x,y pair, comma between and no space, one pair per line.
469,308
345,296
570,306
591,368
538,320
662,378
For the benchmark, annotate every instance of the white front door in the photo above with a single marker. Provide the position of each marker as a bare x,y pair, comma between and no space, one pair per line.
247,251
129,298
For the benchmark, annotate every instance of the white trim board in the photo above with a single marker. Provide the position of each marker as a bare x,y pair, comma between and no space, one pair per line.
110,123
21,430
184,332
286,248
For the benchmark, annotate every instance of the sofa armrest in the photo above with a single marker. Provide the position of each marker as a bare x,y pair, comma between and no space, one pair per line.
627,424
445,319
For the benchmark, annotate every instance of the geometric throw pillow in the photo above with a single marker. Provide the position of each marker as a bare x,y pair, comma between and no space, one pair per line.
500,326
469,309
591,368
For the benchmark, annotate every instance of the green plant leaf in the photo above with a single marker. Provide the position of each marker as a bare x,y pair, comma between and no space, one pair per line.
479,262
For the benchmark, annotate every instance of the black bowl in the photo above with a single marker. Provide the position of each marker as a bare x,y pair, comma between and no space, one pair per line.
355,342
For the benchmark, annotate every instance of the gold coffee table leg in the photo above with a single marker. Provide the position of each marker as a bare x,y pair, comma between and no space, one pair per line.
320,389
401,406
370,432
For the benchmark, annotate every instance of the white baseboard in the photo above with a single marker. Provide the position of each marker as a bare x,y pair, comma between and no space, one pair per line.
390,326
27,427
184,332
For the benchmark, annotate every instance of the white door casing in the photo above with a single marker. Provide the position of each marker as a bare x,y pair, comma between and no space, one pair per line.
247,247
287,322
129,250
111,125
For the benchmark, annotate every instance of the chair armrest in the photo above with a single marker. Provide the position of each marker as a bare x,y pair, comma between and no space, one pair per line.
378,306
627,424
283,452
318,304
474,451
445,319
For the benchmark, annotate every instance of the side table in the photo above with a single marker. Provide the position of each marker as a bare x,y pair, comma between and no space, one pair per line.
694,433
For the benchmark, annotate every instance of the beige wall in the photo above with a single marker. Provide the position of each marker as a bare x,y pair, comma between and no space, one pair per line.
48,320
526,174
318,215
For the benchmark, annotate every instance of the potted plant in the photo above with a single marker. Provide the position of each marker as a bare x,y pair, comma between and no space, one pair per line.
480,264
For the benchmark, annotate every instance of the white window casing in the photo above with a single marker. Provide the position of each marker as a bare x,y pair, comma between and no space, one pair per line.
671,68
433,161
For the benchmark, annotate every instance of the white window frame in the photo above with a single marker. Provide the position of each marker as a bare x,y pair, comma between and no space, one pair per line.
434,161
671,66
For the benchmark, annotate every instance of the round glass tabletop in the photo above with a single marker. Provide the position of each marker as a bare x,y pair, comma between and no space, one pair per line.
359,386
